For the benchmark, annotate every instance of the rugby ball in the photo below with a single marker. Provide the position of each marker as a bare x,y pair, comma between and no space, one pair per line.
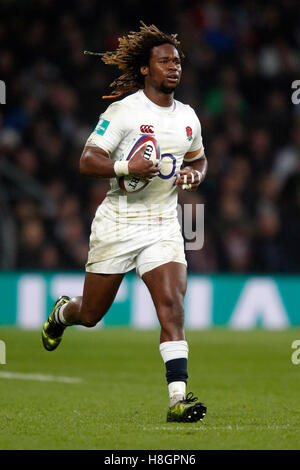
131,183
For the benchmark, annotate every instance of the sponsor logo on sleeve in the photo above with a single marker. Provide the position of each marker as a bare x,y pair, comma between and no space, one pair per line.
102,126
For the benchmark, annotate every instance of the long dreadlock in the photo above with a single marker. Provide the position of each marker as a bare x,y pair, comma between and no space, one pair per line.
134,51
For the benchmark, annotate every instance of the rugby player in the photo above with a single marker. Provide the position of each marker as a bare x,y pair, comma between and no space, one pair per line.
150,61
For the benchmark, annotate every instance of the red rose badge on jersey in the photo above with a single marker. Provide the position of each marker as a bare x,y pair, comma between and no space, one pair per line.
189,133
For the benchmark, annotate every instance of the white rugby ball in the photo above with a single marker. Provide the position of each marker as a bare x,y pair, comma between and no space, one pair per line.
131,183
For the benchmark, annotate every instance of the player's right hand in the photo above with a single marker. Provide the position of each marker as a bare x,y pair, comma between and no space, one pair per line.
140,166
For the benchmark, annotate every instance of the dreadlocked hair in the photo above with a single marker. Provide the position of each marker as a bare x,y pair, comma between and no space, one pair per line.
134,51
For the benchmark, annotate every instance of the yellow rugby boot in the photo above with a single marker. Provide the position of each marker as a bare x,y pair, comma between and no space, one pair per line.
187,410
52,331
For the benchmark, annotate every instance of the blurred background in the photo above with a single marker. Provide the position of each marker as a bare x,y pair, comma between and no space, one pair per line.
241,60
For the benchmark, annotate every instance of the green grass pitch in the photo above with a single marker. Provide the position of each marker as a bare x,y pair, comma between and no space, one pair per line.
246,379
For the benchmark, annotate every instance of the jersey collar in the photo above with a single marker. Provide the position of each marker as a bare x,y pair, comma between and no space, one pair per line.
155,107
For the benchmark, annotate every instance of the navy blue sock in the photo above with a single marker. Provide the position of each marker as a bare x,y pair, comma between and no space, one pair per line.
176,370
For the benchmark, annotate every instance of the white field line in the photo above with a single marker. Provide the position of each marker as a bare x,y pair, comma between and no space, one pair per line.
203,428
39,377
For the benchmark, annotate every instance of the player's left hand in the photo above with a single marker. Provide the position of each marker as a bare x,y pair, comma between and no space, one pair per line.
188,179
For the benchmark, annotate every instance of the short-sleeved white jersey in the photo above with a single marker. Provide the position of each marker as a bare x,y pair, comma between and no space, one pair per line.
177,130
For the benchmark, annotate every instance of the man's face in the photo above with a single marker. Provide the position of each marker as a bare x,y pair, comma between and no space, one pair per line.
164,70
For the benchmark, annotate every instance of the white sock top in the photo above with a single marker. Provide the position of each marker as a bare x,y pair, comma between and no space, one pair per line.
174,350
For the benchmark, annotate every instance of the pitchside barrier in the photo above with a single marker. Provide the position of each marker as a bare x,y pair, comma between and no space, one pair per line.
233,301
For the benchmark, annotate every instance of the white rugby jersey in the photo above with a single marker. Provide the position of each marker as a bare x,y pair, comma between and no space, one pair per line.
177,130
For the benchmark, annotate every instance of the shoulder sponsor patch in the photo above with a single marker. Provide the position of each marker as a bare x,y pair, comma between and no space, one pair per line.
101,126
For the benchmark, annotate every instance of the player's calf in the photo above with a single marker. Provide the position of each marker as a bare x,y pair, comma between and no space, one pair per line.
78,313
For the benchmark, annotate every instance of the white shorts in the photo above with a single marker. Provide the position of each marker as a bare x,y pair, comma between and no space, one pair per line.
117,248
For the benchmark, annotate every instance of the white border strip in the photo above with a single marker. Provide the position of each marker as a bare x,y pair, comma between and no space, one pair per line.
39,377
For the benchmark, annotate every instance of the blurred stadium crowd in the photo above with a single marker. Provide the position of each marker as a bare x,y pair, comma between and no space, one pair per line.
241,60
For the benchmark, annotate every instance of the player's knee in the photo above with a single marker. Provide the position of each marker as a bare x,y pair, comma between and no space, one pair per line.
171,313
172,301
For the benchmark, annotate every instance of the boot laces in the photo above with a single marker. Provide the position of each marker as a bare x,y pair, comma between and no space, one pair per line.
190,398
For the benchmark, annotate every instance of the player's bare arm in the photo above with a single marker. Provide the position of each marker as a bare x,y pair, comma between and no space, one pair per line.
95,162
193,172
